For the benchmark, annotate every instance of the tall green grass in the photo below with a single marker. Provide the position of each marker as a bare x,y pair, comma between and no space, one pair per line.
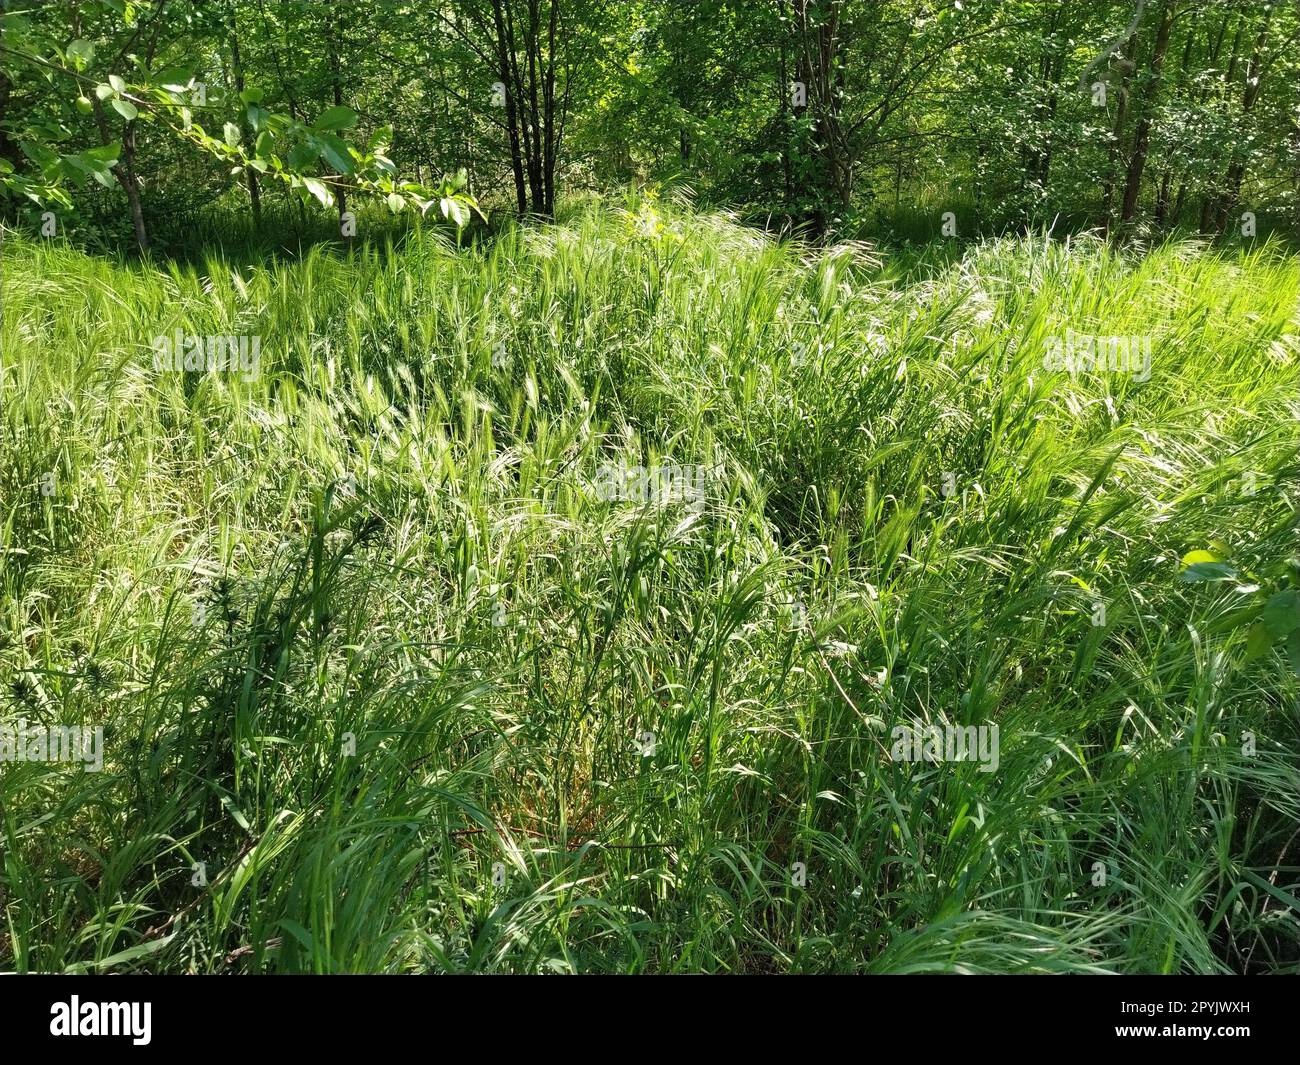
390,536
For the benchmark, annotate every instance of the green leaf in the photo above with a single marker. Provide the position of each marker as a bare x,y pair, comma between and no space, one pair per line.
117,83
81,53
336,153
318,189
1258,641
106,153
1193,557
303,155
126,109
140,950
336,118
231,133
455,211
395,202
1282,613
38,153
1284,897
251,95
298,932
174,79
77,167
1207,571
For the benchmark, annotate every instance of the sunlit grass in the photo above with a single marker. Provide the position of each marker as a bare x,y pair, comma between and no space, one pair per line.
390,538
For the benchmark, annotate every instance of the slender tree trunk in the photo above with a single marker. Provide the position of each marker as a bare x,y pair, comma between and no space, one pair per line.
336,83
784,103
287,87
1117,131
505,48
1045,111
1254,79
1209,203
534,118
124,170
254,193
1045,163
1295,153
1162,197
548,103
823,79
1167,175
8,149
1142,134
1214,46
536,177
1180,201
133,187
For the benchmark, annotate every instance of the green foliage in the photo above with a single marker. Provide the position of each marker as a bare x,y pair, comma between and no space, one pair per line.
831,117
309,157
1271,616
391,533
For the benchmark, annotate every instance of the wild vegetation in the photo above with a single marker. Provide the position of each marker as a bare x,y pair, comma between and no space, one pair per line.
548,586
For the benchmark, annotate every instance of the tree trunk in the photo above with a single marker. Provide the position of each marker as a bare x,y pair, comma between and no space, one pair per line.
124,170
133,187
784,102
1045,163
1117,130
1162,197
1142,134
548,117
505,48
536,178
1295,152
534,118
1167,176
1209,202
254,193
1045,112
8,149
823,79
1254,79
336,82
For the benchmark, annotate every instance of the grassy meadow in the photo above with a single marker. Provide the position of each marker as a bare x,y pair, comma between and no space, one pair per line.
388,684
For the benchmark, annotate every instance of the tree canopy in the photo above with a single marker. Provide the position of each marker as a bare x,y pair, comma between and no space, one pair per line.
829,115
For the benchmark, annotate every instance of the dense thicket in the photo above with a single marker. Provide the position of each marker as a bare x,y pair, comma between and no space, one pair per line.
833,114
